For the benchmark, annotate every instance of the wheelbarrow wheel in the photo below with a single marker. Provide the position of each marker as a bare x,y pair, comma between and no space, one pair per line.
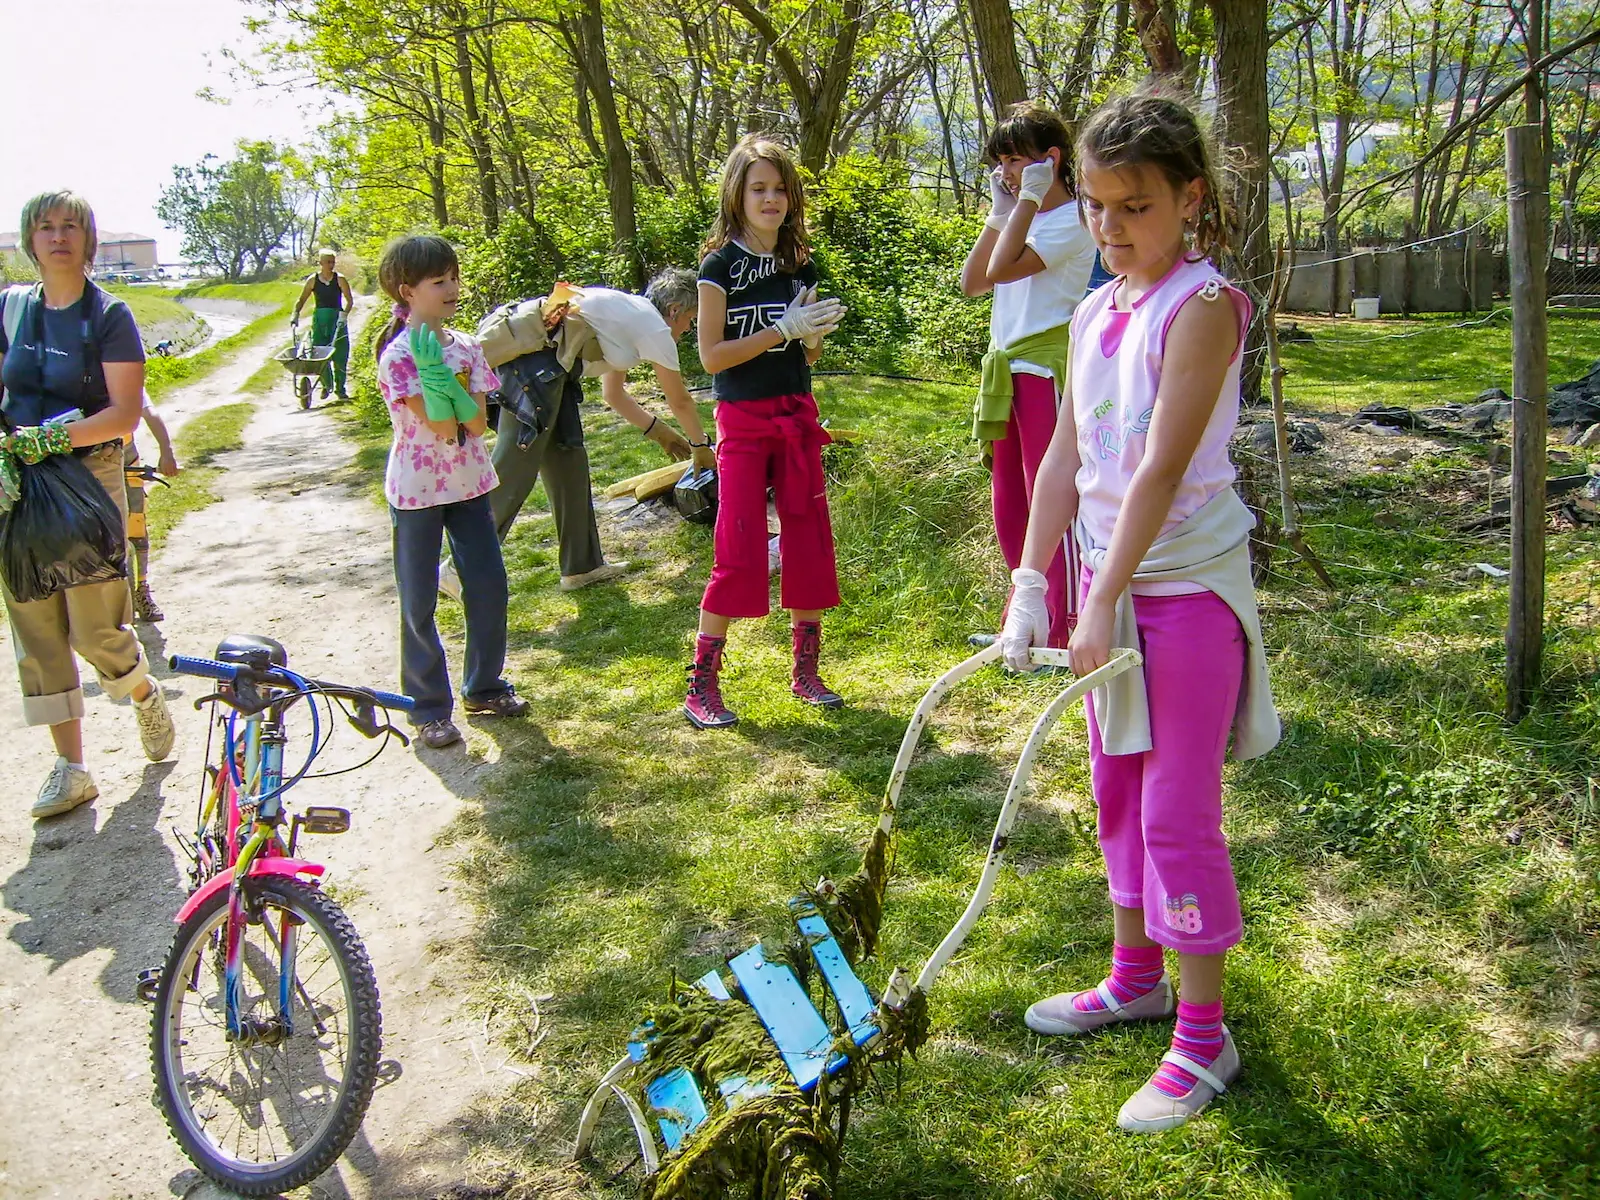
302,387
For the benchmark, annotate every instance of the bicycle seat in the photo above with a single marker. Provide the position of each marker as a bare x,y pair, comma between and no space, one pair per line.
248,648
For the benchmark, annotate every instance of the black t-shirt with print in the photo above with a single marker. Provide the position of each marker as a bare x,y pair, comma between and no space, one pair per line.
757,293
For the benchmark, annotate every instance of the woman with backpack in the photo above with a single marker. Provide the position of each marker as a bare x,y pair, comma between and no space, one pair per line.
72,366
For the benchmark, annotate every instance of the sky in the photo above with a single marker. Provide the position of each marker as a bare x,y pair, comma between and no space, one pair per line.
100,96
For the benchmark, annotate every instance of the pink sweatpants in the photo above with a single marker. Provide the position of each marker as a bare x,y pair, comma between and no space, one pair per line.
1016,461
776,443
1161,811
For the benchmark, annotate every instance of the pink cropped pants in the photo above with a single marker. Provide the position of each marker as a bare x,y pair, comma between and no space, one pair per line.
1160,812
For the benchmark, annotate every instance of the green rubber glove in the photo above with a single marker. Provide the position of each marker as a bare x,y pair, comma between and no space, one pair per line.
32,443
442,394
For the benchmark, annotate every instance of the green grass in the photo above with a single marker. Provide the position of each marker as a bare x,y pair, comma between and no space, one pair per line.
1423,361
1420,972
214,432
164,374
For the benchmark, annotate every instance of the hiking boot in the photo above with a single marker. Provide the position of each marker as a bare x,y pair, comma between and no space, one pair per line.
65,788
145,607
506,704
807,684
571,583
1057,1016
1150,1110
326,391
436,735
449,581
155,724
703,706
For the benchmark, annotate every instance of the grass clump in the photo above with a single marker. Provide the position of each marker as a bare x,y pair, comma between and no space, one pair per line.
1417,1000
202,439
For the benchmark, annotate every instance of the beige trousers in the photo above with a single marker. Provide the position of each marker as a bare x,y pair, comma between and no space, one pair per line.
94,620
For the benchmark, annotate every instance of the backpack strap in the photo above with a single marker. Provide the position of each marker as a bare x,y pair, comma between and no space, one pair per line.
14,303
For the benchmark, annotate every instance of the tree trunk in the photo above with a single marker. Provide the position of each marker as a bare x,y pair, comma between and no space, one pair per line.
436,136
596,69
997,53
1159,38
1245,131
477,135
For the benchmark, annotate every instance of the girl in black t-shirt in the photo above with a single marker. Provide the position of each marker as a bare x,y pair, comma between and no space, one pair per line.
761,327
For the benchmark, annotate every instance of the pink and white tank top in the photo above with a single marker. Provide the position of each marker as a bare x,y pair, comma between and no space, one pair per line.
1116,373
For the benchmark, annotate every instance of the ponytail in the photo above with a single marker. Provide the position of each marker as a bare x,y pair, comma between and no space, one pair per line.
398,316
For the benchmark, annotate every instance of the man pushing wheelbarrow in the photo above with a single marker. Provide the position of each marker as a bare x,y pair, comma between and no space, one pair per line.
330,321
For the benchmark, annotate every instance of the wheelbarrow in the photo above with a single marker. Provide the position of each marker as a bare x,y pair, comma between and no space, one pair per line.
743,1080
304,362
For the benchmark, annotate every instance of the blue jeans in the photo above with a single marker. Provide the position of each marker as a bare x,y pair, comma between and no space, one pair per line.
475,548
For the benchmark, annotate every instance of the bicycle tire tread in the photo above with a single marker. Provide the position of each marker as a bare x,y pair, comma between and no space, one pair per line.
366,1037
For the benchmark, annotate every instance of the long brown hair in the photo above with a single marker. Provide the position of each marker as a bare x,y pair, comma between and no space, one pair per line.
794,243
1028,130
408,261
1148,129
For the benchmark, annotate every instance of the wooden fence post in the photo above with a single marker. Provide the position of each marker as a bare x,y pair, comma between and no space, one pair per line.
1526,186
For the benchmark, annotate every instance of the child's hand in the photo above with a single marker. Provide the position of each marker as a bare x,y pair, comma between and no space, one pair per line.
167,464
445,430
1001,201
1036,180
1090,645
1027,619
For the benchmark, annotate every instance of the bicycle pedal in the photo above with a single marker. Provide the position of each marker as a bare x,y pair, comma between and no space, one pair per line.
319,819
149,981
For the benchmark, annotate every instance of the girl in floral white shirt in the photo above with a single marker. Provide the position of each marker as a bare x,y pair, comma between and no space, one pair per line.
434,381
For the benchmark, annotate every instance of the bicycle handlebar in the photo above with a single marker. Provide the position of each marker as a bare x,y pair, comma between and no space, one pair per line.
272,677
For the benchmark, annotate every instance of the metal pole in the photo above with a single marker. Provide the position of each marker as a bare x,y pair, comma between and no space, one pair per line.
1528,199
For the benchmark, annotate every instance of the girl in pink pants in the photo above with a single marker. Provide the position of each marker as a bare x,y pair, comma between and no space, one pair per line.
1138,468
1035,254
761,327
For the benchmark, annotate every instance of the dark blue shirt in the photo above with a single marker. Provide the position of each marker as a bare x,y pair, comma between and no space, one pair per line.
44,371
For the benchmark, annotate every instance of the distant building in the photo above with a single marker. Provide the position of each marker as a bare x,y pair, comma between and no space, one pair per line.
118,251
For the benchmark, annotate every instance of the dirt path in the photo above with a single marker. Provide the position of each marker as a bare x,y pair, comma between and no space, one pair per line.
86,900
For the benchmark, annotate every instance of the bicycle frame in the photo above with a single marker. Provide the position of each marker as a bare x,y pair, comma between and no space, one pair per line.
252,778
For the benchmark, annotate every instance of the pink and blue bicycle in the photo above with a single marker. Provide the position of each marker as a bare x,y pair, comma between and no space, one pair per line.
267,1032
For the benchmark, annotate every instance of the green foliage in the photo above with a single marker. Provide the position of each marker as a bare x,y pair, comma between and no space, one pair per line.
234,215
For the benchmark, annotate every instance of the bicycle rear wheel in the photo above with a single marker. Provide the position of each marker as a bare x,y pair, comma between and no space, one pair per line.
270,1107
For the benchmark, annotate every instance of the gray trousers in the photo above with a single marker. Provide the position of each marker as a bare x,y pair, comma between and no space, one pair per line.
565,472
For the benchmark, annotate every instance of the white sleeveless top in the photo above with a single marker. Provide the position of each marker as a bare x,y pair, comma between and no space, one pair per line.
1116,373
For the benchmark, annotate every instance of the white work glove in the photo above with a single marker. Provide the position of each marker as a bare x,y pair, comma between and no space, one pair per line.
1036,180
1027,619
813,341
1001,201
806,318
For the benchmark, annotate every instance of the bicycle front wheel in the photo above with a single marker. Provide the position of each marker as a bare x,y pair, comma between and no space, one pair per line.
268,1105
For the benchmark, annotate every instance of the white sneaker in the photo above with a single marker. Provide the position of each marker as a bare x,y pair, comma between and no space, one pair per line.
774,559
155,724
571,583
65,789
449,581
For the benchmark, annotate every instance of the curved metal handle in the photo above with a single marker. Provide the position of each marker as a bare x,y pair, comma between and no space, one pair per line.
1121,660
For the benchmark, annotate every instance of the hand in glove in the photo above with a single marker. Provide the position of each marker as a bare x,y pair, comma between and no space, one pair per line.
705,458
1027,619
31,443
1001,201
814,341
442,394
1036,180
802,319
669,439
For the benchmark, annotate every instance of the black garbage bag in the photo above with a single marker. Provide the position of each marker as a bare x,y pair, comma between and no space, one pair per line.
695,496
63,531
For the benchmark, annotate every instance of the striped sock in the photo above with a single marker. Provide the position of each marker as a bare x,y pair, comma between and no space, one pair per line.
1135,970
1198,1036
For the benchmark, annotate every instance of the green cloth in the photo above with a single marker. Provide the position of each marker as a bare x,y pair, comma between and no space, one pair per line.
328,329
1050,348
